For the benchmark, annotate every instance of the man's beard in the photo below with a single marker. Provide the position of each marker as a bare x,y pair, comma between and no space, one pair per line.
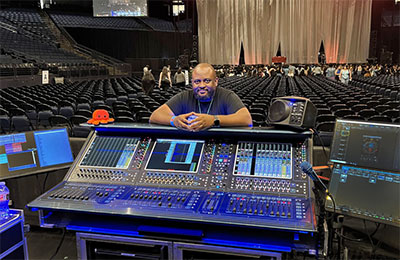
206,98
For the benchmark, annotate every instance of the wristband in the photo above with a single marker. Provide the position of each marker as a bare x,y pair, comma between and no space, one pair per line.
172,121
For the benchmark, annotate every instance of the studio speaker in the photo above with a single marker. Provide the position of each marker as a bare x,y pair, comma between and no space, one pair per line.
297,112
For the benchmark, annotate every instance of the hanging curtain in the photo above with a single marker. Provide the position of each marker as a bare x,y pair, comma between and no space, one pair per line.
298,25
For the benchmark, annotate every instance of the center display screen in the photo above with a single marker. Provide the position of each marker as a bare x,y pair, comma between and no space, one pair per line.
175,155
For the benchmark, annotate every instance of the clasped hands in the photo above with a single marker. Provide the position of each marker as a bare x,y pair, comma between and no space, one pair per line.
201,122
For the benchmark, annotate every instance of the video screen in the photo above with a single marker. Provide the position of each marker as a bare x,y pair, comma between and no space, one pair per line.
104,8
175,155
32,151
372,145
110,152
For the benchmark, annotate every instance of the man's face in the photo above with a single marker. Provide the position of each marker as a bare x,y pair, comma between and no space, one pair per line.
204,84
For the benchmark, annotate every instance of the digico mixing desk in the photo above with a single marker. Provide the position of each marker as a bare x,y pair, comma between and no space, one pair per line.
237,177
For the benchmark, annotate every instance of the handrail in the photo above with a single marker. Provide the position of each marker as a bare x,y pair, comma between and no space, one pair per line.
96,54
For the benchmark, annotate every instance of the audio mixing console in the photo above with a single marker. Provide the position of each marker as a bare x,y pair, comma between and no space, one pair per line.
236,177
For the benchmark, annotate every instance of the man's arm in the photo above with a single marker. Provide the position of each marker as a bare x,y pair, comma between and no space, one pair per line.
242,117
161,115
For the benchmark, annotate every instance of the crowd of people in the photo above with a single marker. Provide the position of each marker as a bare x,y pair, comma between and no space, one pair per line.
340,72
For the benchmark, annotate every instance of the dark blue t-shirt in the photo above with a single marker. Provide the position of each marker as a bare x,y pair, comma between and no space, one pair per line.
225,102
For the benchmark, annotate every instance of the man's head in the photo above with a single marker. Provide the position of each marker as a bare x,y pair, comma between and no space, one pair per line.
204,82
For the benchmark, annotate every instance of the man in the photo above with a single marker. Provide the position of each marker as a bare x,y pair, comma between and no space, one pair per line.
204,106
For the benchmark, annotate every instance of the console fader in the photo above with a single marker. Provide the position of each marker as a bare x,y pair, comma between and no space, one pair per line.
240,177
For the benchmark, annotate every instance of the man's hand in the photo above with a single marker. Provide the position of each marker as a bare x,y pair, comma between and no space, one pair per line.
202,122
182,121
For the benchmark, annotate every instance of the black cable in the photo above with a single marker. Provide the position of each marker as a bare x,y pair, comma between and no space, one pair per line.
323,148
44,182
374,247
59,244
38,183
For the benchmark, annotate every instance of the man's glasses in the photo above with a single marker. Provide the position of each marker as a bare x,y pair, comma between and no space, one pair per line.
198,81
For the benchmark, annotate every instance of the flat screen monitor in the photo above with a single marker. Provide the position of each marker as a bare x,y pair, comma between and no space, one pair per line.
34,151
365,180
117,8
175,155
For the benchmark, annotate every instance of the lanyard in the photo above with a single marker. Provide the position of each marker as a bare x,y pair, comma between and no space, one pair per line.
209,106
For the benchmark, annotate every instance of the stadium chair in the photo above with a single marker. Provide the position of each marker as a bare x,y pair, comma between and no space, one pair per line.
323,111
338,107
66,111
43,118
85,106
392,113
372,103
60,120
84,112
120,107
343,112
380,119
144,119
77,130
381,108
124,119
21,123
123,113
325,118
258,119
110,101
354,117
5,121
326,127
384,100
393,104
367,113
139,115
359,107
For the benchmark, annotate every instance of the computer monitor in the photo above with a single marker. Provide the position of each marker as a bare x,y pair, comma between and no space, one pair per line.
34,152
365,180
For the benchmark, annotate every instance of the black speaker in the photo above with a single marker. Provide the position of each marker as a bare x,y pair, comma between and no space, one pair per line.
291,111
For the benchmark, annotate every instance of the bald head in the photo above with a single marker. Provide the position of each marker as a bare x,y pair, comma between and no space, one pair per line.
205,69
204,82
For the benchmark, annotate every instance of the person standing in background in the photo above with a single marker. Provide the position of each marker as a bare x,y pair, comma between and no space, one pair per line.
345,75
164,81
148,81
179,78
330,72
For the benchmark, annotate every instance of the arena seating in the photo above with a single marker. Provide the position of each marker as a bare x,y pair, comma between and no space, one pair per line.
85,21
158,24
185,25
71,104
27,19
40,52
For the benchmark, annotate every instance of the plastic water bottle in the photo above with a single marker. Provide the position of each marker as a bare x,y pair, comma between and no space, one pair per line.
4,199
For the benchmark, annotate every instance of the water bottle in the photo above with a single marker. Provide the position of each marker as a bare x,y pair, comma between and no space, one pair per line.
4,199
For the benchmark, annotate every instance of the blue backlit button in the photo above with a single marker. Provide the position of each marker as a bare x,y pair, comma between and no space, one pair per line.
217,186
